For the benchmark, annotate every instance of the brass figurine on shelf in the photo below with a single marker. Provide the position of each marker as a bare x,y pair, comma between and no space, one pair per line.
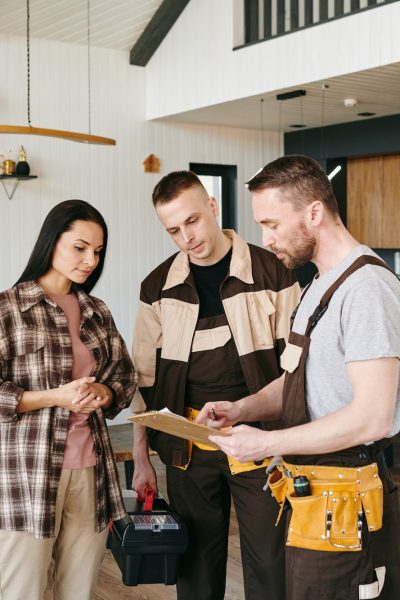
23,167
8,166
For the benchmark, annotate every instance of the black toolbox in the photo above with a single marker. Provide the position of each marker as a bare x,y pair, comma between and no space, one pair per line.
147,544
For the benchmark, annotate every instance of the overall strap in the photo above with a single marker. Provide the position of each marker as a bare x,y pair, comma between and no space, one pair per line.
294,313
361,261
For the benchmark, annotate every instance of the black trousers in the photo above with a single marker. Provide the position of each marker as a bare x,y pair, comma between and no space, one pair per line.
314,575
202,496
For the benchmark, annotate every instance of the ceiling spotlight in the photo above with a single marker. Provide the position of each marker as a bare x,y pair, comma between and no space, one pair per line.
350,102
366,114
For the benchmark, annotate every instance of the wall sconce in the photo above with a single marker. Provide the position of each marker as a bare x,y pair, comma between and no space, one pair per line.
151,164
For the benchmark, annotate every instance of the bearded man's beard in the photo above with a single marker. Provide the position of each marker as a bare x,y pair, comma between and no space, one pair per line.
302,250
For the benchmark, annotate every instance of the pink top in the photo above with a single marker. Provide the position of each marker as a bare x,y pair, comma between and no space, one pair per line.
79,448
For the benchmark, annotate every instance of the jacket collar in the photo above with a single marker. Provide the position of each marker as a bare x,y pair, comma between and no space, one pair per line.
240,266
31,293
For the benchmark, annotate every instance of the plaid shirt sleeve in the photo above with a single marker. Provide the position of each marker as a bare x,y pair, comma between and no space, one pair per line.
10,393
118,373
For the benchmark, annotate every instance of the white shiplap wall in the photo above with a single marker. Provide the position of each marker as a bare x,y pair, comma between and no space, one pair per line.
111,178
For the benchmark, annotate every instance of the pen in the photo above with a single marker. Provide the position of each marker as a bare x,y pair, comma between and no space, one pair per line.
211,414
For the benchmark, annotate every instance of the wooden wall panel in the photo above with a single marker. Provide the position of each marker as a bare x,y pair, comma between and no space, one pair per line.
373,200
391,200
365,200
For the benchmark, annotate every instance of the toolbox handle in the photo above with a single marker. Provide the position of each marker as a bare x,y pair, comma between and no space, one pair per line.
148,499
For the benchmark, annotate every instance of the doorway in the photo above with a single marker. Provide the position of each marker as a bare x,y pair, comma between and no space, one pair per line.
220,182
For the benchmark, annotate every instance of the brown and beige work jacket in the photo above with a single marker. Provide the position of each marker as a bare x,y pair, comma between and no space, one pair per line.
258,296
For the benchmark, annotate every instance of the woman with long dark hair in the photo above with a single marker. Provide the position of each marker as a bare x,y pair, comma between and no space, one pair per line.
64,369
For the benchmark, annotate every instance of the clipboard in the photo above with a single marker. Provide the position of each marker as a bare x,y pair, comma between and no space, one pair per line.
178,426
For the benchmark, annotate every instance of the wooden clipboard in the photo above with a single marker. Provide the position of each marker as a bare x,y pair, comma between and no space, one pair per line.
178,426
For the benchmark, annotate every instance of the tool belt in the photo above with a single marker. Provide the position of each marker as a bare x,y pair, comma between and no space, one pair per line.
235,466
331,517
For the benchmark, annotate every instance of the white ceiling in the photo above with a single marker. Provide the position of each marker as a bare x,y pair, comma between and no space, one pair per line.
118,24
376,90
113,23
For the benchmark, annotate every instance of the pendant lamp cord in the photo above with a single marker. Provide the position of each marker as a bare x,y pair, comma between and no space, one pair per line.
88,61
262,129
322,142
28,63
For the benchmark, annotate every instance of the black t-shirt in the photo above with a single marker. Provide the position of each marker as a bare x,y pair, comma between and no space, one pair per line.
208,280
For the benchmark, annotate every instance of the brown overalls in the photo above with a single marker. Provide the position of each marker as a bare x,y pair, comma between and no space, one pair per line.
202,494
318,575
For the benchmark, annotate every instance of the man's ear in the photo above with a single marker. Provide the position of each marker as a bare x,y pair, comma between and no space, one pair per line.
316,212
213,205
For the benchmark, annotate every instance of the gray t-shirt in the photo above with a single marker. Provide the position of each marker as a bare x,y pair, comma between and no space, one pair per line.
362,322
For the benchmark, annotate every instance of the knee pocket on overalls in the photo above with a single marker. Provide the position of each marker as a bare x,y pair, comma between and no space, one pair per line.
316,575
368,591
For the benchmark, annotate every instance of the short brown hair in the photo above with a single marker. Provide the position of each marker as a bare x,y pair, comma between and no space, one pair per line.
171,185
300,179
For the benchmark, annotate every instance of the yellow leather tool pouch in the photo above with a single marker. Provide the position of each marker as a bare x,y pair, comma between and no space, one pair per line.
331,518
278,484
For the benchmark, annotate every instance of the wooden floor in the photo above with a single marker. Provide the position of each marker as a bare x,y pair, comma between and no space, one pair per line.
110,586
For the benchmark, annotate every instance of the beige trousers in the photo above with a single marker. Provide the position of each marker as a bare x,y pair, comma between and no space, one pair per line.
76,550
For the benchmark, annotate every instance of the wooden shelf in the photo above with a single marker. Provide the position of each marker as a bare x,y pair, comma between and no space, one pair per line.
18,176
17,179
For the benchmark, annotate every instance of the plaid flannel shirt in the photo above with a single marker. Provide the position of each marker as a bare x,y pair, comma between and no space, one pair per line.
36,354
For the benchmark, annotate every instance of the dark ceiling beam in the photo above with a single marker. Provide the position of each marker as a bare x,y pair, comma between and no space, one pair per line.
156,30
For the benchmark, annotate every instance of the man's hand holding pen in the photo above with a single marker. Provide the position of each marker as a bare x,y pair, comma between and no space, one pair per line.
244,443
219,414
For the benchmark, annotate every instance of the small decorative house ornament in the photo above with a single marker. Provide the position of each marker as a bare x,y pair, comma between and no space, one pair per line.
151,164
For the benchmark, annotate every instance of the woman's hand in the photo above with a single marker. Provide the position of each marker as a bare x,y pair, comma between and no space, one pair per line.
92,396
68,395
79,396
84,395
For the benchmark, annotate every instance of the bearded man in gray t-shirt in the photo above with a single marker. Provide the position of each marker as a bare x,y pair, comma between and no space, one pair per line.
339,398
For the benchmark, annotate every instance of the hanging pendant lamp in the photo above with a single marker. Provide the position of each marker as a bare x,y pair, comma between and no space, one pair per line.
322,152
86,138
262,130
